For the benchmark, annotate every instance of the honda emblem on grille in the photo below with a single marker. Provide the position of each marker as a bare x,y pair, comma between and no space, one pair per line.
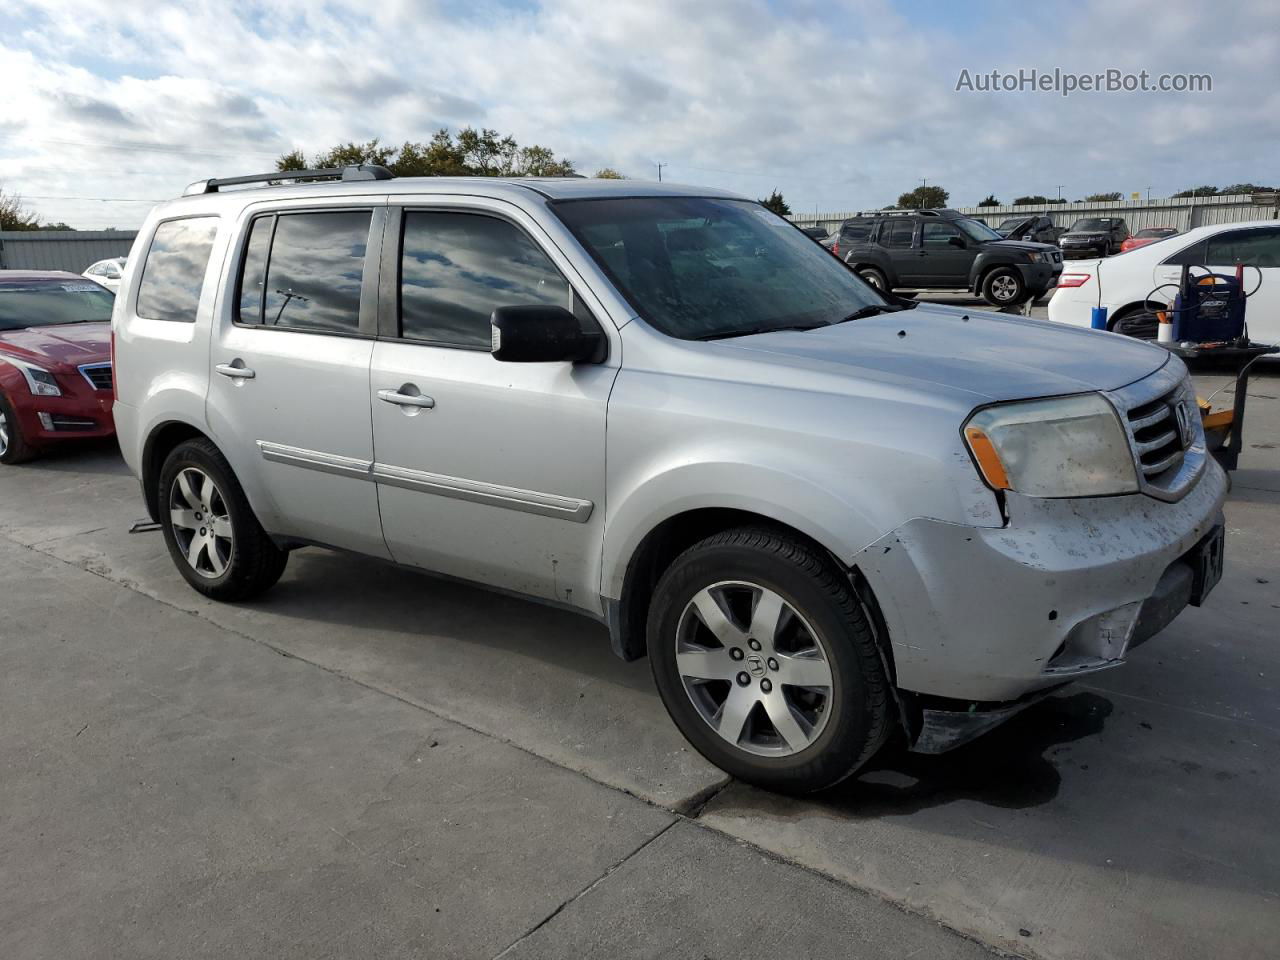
1184,424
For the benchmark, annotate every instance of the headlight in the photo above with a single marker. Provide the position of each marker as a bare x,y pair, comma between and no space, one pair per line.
1035,257
40,381
1064,447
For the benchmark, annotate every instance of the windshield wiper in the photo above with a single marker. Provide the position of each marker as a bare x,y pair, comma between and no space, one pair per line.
875,309
751,331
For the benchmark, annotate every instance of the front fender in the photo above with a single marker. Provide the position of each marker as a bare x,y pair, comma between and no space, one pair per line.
840,526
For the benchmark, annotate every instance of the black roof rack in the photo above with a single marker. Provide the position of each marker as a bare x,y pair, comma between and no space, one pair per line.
359,171
945,213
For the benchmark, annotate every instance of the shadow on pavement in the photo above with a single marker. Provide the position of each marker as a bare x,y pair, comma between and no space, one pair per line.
1012,767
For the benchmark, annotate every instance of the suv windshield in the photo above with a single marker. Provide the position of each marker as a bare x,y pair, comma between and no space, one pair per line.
976,229
699,268
1080,225
44,303
1010,224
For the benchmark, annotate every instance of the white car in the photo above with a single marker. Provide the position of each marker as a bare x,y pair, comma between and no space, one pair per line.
1127,283
107,272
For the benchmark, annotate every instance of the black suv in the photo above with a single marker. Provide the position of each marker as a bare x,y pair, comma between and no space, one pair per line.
1037,227
1094,237
943,249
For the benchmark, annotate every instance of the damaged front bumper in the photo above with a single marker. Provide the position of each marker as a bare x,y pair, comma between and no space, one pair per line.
981,620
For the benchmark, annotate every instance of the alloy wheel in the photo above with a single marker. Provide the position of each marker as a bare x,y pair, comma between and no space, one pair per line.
201,523
1004,288
755,670
4,433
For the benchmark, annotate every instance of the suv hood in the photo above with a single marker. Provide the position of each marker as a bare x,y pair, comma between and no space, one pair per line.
989,356
1029,246
67,343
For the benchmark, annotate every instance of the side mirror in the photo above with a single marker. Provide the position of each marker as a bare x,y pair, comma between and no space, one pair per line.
956,242
541,334
111,272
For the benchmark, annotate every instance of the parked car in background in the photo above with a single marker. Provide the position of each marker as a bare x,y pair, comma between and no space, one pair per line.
1147,235
663,407
942,249
107,272
55,361
1038,229
815,232
1127,285
1094,237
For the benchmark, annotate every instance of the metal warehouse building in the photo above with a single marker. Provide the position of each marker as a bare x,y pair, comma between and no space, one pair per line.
71,250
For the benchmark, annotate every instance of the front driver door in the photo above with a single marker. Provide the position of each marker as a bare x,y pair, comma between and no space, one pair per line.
948,255
487,471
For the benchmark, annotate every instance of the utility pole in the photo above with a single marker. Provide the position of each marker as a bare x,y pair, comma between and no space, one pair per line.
924,181
1148,194
1060,186
660,166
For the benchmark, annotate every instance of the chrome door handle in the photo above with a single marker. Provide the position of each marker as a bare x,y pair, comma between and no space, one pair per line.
234,372
406,400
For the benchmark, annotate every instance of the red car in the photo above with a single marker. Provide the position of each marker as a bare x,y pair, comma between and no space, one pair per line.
55,361
1147,235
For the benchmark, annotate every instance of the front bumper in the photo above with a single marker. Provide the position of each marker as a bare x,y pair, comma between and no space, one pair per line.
991,615
79,415
1090,251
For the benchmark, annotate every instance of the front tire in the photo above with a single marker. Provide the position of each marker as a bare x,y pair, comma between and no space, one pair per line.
13,447
212,534
766,661
1004,287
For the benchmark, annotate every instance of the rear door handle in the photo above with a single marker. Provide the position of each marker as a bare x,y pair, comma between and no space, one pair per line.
405,399
234,372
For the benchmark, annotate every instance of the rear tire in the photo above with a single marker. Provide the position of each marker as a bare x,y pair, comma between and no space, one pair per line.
766,662
874,278
13,447
212,534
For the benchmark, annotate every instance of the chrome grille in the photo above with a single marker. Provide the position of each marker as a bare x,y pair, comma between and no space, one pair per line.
98,375
1166,437
1154,428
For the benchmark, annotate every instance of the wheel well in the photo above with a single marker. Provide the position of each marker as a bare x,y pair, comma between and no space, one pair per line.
1134,307
629,620
158,447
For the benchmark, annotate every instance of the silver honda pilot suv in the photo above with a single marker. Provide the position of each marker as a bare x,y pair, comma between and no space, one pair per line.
824,513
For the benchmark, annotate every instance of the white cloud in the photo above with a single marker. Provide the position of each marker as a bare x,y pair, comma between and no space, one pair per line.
840,105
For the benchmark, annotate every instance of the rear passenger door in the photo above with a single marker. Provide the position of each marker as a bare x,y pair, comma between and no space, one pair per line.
289,388
487,471
907,260
1258,248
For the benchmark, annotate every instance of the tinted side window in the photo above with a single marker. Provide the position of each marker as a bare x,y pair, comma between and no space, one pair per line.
938,234
897,233
314,271
455,268
173,273
1256,248
253,272
854,232
1196,253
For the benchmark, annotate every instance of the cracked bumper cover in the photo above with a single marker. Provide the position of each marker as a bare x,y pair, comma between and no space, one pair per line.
992,615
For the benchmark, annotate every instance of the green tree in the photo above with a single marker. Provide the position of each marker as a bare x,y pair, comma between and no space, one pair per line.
469,152
1198,192
989,201
775,203
1239,188
1034,199
1102,197
608,173
14,214
923,198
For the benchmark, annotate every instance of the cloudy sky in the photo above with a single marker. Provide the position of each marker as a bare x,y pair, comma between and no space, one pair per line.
840,104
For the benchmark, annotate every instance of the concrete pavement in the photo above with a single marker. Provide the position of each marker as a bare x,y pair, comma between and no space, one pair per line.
1125,818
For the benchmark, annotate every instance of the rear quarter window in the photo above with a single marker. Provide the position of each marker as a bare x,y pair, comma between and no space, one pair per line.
173,273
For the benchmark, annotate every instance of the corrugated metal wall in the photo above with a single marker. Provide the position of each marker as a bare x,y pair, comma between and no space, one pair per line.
71,250
1182,213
